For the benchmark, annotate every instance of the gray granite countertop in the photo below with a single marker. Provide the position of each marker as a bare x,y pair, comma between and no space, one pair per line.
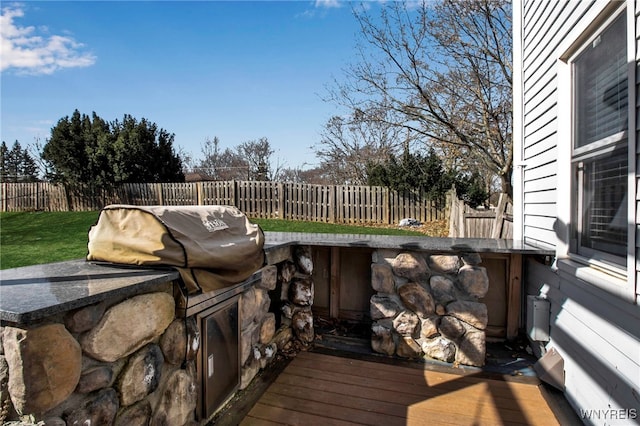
33,293
430,244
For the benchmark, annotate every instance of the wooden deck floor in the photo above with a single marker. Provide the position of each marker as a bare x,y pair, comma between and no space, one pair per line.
319,389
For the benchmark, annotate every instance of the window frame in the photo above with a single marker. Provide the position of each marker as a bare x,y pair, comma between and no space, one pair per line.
621,279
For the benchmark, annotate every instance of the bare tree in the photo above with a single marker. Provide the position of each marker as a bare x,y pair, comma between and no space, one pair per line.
349,143
210,163
218,164
251,160
257,154
232,166
444,69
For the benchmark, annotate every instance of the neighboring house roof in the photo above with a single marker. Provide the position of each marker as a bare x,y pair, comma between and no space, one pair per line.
197,177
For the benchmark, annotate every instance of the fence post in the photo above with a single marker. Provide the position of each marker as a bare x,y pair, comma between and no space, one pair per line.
340,209
462,218
496,228
386,205
234,193
159,194
199,193
457,225
281,200
67,198
453,231
4,196
37,196
447,204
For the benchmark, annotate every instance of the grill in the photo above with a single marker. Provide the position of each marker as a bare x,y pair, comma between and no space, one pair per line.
217,252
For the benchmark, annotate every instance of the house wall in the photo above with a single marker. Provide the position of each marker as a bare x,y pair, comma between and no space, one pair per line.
598,339
637,224
543,33
595,330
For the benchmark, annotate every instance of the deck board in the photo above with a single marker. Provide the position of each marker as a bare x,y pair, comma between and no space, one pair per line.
330,390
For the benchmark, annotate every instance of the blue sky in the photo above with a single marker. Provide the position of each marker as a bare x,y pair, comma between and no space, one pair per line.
238,70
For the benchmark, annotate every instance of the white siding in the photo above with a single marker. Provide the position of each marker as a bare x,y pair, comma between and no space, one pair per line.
598,339
637,150
596,332
546,26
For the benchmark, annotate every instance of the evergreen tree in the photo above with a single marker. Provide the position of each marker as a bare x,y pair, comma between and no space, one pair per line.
17,165
66,151
89,153
28,169
143,153
471,189
4,152
412,172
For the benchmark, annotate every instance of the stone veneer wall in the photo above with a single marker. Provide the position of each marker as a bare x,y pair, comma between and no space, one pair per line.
428,306
289,284
297,294
132,362
116,362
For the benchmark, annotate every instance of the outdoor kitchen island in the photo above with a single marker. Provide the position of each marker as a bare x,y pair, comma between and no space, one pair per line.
350,269
126,345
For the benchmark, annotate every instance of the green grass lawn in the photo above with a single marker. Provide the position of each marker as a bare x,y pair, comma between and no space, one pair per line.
29,238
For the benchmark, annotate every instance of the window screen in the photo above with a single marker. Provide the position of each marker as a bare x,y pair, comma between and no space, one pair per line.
600,161
604,217
601,85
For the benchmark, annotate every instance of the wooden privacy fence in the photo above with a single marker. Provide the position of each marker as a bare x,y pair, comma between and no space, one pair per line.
293,201
465,222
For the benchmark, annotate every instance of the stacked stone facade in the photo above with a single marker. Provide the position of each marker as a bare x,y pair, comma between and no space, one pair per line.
258,326
133,362
117,362
297,295
429,306
290,286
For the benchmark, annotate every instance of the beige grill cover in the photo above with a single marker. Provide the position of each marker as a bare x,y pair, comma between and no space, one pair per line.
212,246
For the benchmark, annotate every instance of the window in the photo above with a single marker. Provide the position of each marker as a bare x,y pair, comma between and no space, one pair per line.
600,145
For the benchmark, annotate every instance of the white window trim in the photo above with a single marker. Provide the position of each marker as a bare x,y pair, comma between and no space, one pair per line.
619,281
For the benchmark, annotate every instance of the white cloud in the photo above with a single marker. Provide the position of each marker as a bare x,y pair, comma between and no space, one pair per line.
318,8
328,4
27,51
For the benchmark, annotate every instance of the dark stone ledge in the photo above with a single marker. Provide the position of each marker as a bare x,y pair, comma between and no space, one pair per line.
35,292
427,244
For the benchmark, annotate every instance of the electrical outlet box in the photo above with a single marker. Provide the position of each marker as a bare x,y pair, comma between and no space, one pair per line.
538,318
